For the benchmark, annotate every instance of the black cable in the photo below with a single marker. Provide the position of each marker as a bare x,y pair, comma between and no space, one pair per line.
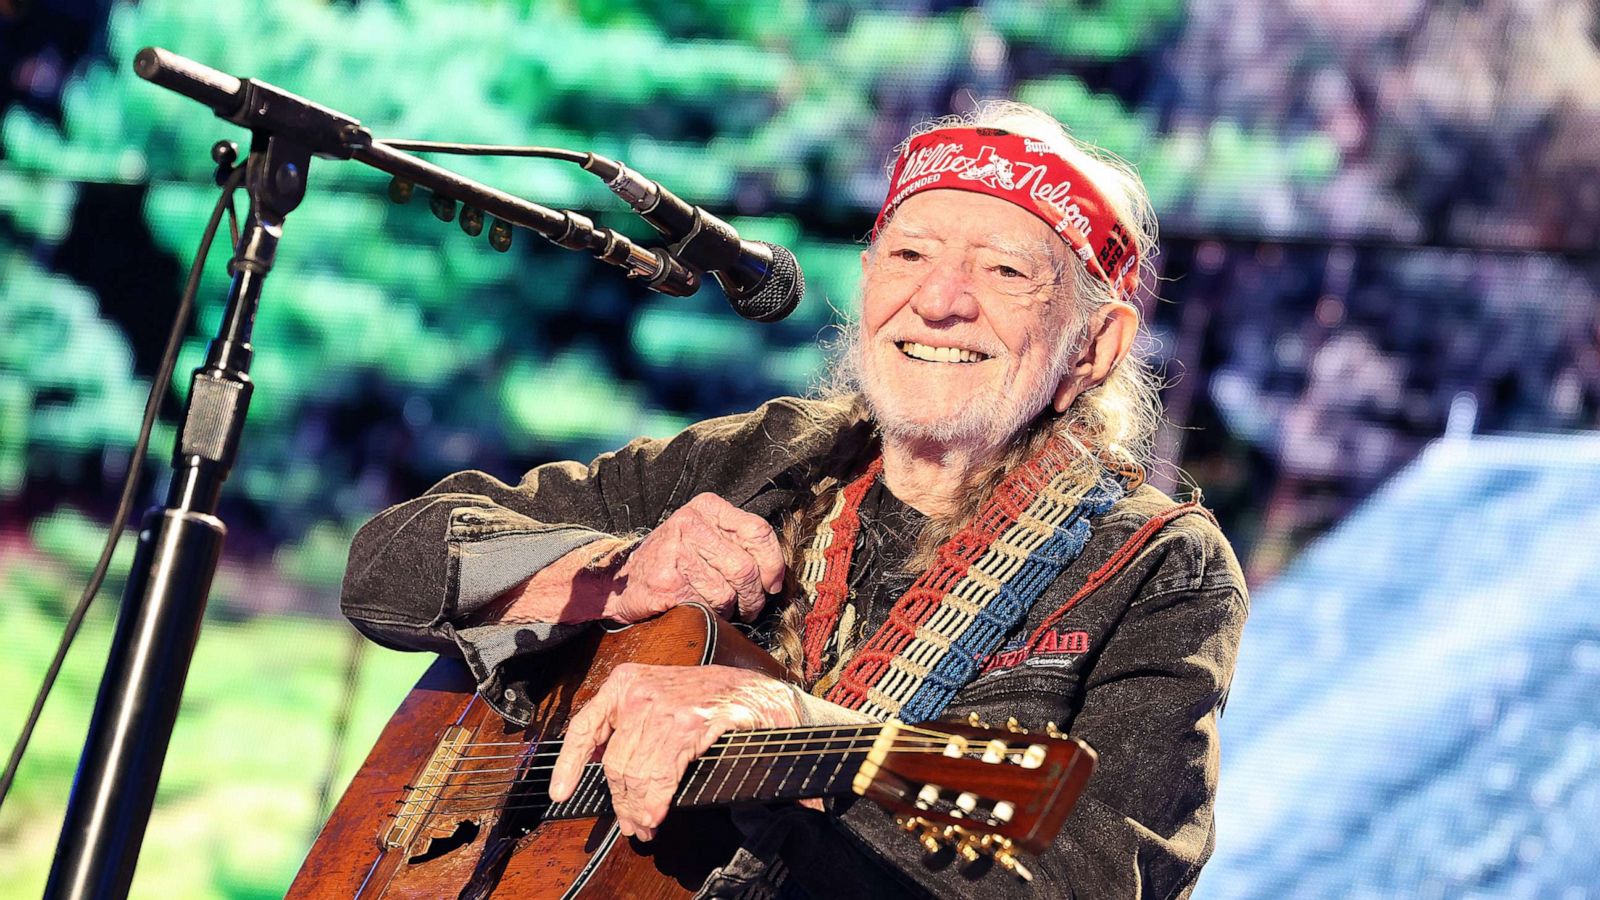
130,483
356,651
484,149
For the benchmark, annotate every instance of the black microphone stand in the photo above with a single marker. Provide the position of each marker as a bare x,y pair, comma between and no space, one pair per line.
179,544
177,555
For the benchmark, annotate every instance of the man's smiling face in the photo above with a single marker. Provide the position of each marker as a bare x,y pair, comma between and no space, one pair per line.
964,320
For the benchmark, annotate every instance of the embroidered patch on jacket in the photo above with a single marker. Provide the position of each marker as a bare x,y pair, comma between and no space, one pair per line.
1055,648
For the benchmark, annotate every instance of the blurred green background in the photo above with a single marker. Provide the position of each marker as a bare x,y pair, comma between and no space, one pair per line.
1321,201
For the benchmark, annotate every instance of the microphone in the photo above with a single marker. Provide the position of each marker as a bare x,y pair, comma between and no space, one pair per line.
763,281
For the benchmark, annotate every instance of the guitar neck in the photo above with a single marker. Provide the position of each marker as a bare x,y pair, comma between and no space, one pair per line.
742,767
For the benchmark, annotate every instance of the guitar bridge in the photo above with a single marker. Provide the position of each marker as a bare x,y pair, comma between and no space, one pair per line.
419,799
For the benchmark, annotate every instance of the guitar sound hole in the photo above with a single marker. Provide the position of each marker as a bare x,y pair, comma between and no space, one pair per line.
466,832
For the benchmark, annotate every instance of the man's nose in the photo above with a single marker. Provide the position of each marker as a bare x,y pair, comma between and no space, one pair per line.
949,292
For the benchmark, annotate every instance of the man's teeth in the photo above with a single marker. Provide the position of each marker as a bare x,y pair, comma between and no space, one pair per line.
940,354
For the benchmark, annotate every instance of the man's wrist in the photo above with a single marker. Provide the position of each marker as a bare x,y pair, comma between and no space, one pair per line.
575,588
605,575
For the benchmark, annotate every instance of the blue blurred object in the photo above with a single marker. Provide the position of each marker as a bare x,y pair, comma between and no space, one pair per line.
1414,713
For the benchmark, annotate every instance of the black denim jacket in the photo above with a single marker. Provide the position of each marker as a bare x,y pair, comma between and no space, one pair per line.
1139,669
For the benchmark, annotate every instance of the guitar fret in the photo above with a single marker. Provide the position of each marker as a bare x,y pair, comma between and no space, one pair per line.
598,793
761,791
789,764
699,777
844,771
814,768
815,758
746,763
732,759
582,794
851,761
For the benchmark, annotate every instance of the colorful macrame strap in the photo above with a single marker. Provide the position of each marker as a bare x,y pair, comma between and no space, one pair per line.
980,587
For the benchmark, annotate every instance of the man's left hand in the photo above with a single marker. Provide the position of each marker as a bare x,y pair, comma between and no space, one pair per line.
653,721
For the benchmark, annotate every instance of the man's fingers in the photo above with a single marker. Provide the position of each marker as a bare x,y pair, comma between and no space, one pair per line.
747,530
590,728
752,533
620,762
738,569
659,766
708,585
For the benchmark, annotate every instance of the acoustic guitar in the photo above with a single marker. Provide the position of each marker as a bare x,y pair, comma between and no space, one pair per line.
453,801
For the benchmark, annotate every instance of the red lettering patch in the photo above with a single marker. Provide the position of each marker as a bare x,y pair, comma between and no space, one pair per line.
1054,643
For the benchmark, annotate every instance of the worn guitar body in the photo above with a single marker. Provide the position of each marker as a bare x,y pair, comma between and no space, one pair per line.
455,802
491,852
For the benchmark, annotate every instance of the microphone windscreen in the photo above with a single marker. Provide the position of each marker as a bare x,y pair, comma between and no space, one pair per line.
778,295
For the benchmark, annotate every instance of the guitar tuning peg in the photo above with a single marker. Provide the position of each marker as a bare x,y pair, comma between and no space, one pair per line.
471,221
1015,727
911,825
969,852
933,838
1051,729
975,846
975,722
1008,861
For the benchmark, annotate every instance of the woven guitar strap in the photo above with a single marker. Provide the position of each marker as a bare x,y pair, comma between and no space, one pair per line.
982,584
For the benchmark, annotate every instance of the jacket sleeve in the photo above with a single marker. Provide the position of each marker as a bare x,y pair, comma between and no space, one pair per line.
420,569
1150,703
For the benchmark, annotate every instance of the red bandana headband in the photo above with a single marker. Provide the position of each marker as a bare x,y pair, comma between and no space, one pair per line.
1027,173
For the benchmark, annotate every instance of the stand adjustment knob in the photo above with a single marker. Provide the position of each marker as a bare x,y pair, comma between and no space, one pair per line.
442,207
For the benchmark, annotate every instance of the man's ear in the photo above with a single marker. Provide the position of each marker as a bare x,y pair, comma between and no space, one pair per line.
1111,329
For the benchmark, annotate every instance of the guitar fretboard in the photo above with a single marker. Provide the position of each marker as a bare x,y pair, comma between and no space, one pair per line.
741,767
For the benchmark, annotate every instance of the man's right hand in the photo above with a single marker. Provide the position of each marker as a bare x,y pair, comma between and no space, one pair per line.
708,551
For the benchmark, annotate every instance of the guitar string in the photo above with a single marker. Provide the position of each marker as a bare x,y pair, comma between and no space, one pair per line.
573,807
435,790
450,791
726,740
453,792
592,779
720,746
710,756
546,807
757,732
591,771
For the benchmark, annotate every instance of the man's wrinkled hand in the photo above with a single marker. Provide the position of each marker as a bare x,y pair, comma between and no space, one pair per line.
652,721
708,551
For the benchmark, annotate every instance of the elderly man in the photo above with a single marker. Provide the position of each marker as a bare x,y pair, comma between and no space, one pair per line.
958,525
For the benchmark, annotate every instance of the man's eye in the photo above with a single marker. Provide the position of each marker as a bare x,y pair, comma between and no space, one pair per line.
1008,272
907,254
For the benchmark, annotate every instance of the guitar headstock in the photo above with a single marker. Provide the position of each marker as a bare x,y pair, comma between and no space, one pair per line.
977,790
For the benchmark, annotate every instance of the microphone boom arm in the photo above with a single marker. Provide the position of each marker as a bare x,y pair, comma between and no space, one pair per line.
263,107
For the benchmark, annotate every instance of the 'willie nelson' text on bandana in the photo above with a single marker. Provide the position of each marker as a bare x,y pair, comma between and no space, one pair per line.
1025,172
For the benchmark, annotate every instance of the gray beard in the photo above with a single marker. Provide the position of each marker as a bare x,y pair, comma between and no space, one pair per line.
993,420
